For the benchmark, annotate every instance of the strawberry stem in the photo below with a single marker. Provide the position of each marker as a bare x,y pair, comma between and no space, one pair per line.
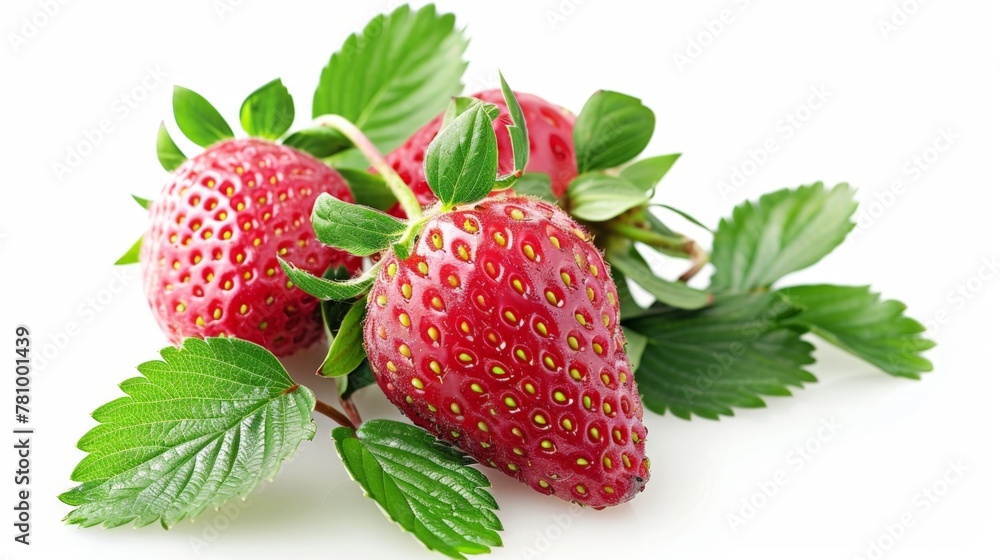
680,244
407,200
337,416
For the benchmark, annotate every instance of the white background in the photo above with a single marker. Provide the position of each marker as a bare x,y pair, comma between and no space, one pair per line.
890,92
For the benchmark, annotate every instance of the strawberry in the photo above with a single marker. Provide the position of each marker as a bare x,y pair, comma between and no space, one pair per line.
209,258
550,129
500,333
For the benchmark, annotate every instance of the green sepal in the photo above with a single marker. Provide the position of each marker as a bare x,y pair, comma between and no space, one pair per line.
198,119
326,289
461,162
647,173
132,255
518,129
170,156
359,230
538,185
347,350
318,141
268,112
144,202
612,128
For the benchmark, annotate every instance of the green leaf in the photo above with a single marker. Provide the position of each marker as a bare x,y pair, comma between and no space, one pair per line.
132,255
596,197
319,141
326,289
347,350
538,185
674,294
647,173
144,202
612,128
461,163
727,355
423,484
460,105
359,230
206,424
784,231
859,321
368,189
680,213
197,119
358,379
518,129
628,308
395,76
268,112
167,152
634,347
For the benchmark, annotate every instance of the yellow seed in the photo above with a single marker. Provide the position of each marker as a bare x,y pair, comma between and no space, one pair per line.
617,434
586,401
543,484
239,257
579,233
432,408
575,374
539,419
605,319
549,362
518,451
581,489
476,388
546,444
605,378
463,252
422,268
417,383
217,314
483,427
407,290
518,286
499,238
607,409
573,342
455,408
582,462
435,367
177,265
517,214
567,423
510,402
470,226
491,270
270,272
207,234
437,303
635,437
594,434
381,300
180,307
404,319
512,466
263,325
598,349
517,432
555,241
196,259
244,309
269,300
405,351
611,298
199,321
626,461
566,279
509,315
609,490
454,434
607,462
593,270
436,240
391,367
622,376
433,333
464,357
453,280
498,370
227,234
541,328
481,300
559,396
391,270
529,251
465,327
550,296
529,388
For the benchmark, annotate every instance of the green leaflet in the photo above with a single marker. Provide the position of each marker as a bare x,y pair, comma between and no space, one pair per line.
268,112
538,185
708,361
518,129
596,197
167,152
461,163
783,232
647,173
132,255
323,288
859,321
395,76
204,425
612,128
675,294
423,484
318,141
347,350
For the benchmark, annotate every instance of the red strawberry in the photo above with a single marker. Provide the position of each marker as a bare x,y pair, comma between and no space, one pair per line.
209,259
550,131
501,334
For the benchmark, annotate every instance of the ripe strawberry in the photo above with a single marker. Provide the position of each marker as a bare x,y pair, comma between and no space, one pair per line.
550,130
209,259
501,334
